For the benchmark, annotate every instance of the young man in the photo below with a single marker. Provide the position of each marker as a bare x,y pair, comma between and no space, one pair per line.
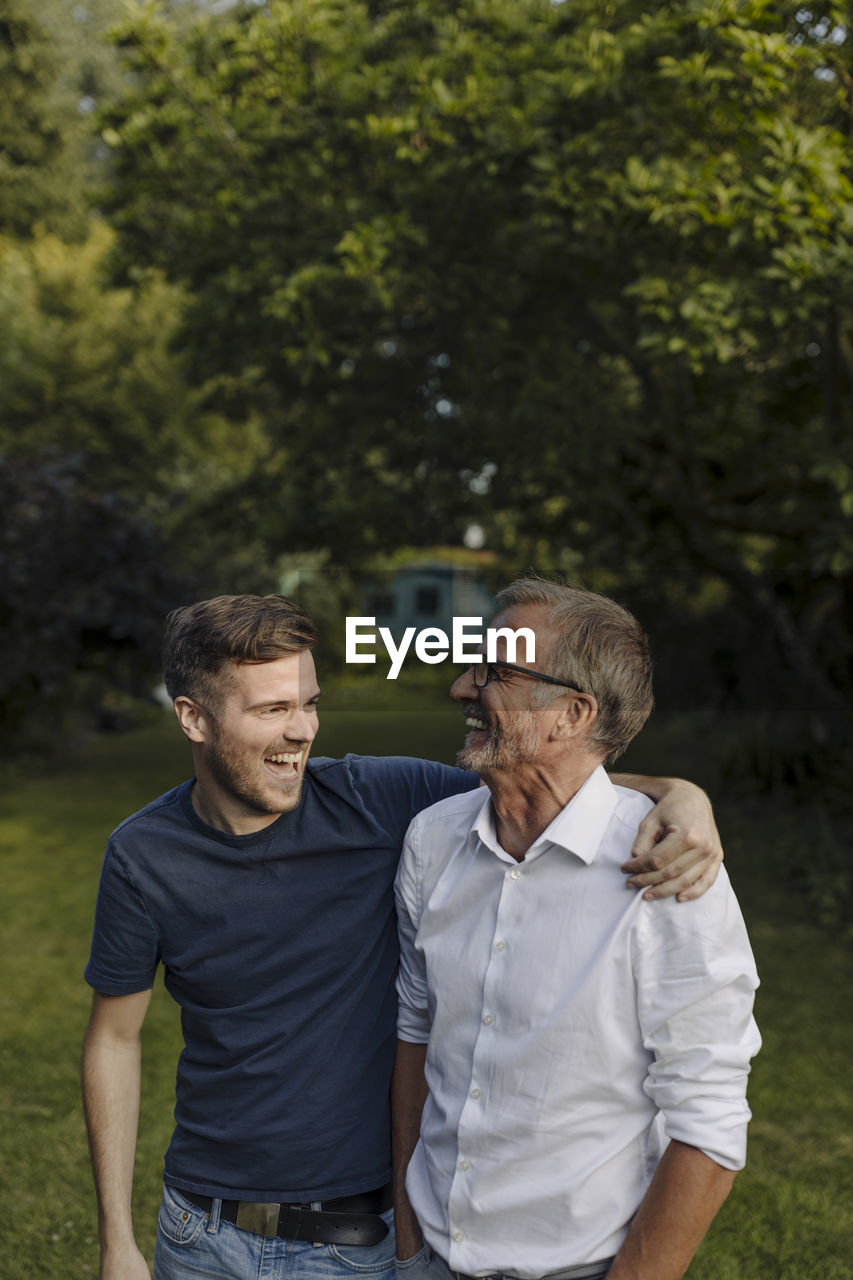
264,886
582,1053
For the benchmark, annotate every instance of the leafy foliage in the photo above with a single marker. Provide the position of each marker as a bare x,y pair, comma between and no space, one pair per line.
32,142
89,368
577,273
580,272
109,465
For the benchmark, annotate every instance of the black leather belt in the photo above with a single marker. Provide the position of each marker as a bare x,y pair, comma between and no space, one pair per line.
346,1220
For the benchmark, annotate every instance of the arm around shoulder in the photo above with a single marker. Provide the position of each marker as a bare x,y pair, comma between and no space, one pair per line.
112,1064
678,849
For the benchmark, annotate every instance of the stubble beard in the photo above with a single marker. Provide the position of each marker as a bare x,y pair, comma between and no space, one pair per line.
236,776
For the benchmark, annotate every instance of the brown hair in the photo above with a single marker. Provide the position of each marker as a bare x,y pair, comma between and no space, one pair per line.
203,638
600,647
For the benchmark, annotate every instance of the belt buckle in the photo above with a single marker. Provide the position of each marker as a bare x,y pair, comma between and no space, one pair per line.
258,1216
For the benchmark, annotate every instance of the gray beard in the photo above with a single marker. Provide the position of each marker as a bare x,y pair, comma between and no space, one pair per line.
504,748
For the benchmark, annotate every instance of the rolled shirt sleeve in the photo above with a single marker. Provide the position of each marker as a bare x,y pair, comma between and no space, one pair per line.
696,980
413,1016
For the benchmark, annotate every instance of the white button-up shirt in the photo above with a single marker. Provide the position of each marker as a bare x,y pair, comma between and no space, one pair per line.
573,1029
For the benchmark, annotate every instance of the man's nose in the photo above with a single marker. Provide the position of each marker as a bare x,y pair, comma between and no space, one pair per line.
463,688
302,727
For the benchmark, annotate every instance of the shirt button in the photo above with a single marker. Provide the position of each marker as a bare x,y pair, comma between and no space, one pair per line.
488,1020
515,874
500,946
475,1093
464,1166
458,1236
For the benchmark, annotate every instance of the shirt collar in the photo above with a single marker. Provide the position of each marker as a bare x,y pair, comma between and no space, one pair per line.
483,830
578,828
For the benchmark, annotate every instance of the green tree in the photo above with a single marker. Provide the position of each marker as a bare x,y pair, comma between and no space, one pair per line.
87,368
111,473
33,172
110,462
56,67
580,272
88,374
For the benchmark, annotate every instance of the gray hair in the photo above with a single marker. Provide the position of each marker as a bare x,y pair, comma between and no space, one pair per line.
600,647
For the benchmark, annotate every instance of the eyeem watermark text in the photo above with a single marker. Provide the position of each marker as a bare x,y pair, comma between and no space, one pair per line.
432,645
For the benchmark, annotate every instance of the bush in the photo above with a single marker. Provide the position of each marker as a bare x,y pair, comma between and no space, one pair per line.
83,589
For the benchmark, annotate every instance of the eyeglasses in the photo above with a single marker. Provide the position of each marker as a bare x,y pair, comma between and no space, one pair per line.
483,672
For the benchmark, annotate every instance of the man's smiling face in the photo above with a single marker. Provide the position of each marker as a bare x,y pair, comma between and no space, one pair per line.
260,735
504,731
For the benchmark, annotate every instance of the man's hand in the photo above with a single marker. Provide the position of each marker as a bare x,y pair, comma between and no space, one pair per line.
677,850
125,1263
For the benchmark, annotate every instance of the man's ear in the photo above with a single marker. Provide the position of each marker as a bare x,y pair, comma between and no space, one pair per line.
193,719
576,717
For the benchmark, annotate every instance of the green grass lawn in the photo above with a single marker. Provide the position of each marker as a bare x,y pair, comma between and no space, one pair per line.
790,1216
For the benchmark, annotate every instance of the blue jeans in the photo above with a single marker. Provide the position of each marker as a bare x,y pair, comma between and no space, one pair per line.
194,1245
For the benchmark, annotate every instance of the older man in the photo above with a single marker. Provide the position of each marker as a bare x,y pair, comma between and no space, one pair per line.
580,1054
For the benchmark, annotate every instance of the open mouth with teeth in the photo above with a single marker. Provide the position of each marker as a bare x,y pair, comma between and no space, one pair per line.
474,722
284,764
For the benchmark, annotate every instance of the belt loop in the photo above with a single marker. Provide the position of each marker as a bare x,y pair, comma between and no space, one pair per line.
212,1225
316,1207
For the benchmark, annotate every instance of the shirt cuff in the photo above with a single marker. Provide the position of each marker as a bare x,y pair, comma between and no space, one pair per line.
413,1025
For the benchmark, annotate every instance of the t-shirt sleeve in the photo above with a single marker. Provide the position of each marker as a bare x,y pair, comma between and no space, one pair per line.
125,949
397,788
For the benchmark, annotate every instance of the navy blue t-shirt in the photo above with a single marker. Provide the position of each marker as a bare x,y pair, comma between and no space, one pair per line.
281,949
